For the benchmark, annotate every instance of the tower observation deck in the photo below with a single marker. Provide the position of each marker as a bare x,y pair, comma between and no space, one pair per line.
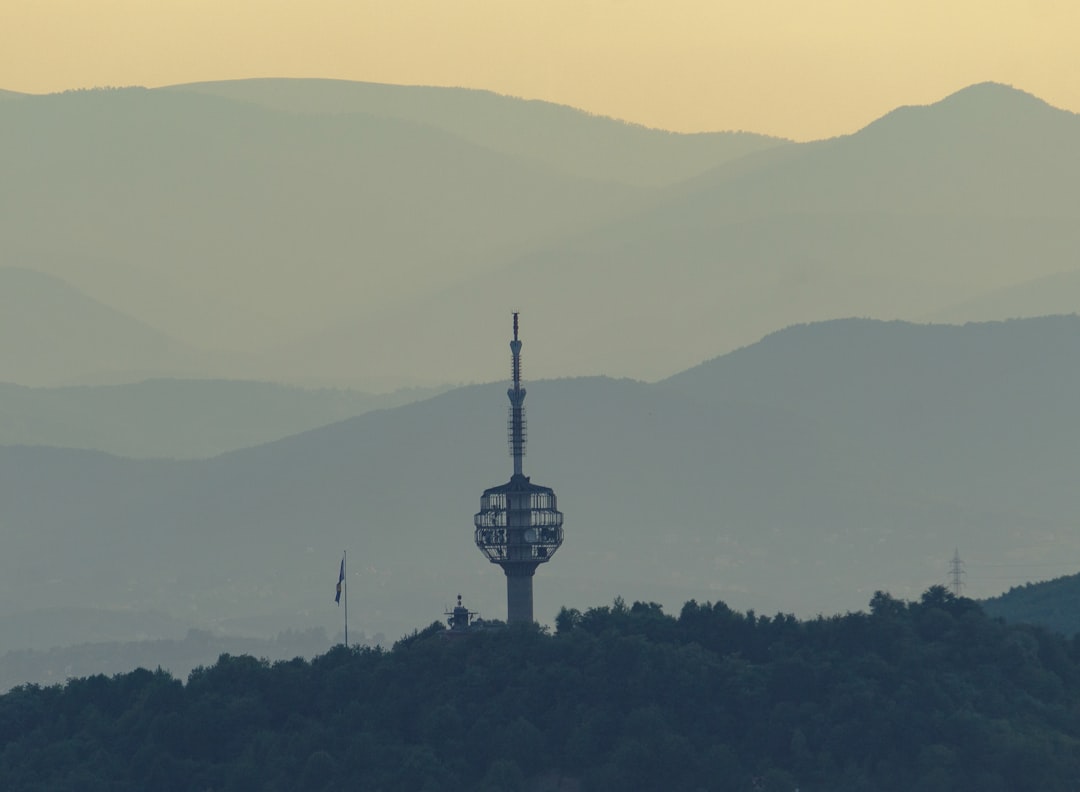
519,525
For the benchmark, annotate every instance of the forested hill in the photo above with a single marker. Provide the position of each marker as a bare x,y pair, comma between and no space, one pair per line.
1050,604
928,695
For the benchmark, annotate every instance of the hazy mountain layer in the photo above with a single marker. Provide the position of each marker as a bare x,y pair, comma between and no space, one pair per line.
40,629
232,226
1058,293
647,299
176,418
51,333
921,211
575,142
806,471
385,247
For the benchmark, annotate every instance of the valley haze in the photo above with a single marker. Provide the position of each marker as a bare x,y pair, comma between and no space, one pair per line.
246,324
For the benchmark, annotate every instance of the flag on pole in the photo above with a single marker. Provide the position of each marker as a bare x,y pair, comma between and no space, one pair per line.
340,580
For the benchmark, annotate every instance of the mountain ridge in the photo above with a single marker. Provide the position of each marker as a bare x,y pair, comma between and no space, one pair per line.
820,494
178,419
197,190
306,241
569,138
52,333
989,100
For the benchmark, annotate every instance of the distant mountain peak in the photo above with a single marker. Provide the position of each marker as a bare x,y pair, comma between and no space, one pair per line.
989,88
993,96
976,107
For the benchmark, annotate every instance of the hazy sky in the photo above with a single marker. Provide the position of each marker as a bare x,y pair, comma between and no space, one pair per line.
787,67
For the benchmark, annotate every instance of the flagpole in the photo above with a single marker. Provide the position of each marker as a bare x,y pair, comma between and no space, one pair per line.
345,583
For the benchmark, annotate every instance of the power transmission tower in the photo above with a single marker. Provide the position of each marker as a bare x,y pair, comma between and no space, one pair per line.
956,574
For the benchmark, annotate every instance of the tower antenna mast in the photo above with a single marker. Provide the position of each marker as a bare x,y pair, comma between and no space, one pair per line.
517,404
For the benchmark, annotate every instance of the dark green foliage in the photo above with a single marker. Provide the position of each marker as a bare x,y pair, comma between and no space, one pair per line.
923,695
1050,604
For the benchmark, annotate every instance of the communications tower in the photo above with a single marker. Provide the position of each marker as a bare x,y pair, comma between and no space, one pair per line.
519,525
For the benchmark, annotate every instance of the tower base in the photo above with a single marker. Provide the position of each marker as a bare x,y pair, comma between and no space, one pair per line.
519,593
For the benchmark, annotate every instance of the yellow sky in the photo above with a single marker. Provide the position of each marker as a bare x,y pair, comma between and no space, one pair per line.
788,67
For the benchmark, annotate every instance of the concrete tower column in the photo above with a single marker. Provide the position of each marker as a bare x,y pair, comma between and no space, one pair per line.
519,592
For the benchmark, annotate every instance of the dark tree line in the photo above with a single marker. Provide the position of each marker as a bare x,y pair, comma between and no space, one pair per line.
929,695
1050,603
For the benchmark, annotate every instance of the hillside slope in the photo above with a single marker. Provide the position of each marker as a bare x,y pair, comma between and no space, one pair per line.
51,333
177,418
816,467
1051,604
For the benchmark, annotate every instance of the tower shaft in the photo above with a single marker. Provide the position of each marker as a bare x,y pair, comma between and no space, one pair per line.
519,592
520,564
